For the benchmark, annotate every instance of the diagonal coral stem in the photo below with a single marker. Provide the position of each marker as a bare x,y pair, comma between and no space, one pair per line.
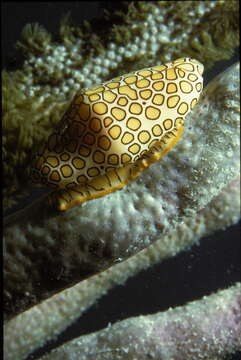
70,246
47,319
207,328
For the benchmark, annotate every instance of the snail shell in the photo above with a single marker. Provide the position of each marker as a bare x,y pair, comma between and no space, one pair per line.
112,132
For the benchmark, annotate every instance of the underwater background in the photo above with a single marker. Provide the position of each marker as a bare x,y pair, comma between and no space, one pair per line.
212,265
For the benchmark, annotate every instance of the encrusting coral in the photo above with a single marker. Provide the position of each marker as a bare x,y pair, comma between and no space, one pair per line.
175,191
35,96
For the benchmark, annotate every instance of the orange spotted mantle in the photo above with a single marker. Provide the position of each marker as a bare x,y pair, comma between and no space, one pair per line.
112,132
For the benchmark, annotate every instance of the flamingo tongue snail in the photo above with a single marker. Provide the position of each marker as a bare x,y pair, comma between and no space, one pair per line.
112,132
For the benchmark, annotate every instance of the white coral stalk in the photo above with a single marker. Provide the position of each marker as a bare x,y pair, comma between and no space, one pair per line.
207,328
47,319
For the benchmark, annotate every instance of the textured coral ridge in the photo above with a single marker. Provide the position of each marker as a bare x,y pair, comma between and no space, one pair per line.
46,320
209,328
148,33
111,133
116,226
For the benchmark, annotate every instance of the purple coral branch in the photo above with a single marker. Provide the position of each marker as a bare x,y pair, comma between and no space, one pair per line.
207,328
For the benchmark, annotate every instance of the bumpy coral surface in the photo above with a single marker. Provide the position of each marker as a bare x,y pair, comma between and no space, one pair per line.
147,34
92,236
39,259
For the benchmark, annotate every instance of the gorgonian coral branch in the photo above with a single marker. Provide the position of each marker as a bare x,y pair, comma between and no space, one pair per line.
207,328
47,319
75,245
154,32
